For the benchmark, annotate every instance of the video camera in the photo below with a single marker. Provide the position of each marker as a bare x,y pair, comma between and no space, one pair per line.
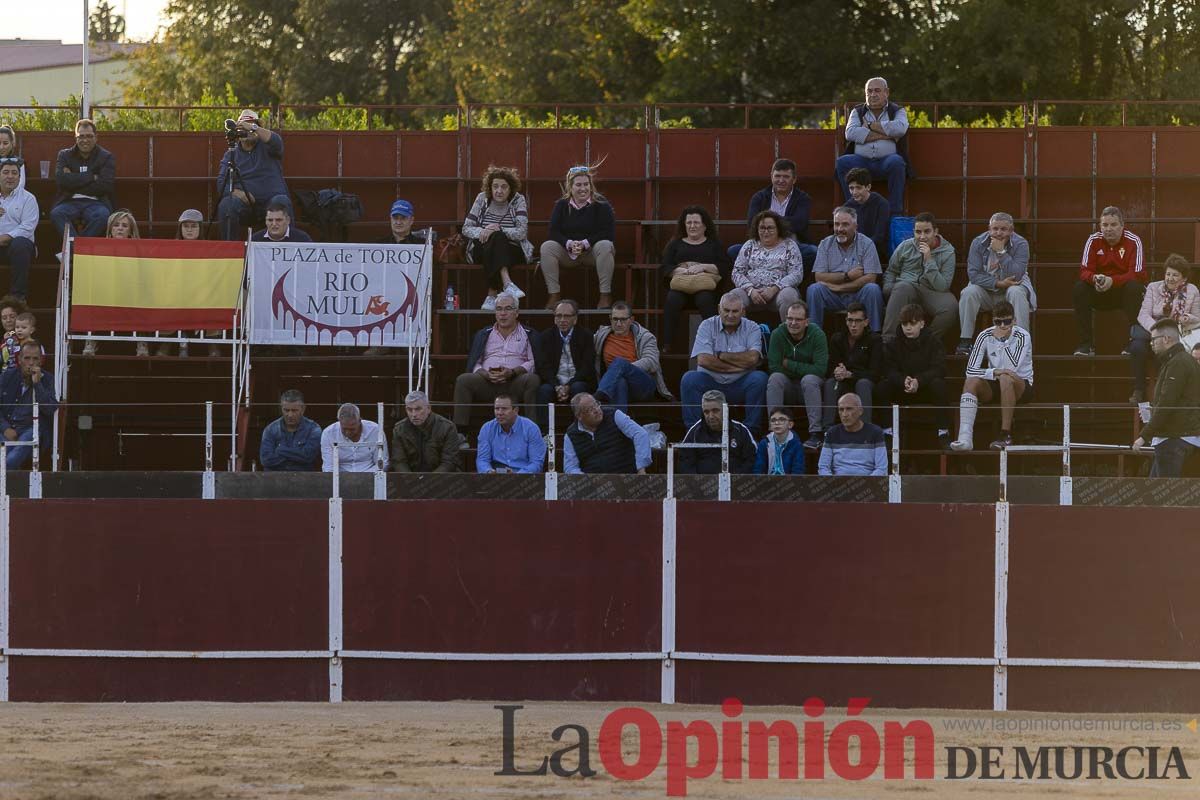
233,133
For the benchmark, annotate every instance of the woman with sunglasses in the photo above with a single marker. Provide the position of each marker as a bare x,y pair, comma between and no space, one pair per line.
1171,298
8,149
582,229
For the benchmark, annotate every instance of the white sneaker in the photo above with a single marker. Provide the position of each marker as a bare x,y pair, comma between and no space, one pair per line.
514,290
143,349
489,303
89,347
962,444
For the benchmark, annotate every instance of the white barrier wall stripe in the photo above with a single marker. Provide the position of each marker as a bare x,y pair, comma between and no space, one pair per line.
1000,631
335,595
667,684
400,655
4,588
762,658
43,652
1106,663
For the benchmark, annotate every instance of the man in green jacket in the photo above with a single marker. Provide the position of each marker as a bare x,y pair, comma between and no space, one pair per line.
798,356
1174,426
425,441
920,271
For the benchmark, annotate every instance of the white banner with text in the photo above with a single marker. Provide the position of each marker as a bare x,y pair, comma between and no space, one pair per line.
340,294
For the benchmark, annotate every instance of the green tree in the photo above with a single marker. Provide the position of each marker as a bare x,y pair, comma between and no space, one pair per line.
105,25
537,51
283,51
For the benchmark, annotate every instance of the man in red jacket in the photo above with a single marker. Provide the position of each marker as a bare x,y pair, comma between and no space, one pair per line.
1112,275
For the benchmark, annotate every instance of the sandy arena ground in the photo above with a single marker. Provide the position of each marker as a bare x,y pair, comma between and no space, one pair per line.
381,750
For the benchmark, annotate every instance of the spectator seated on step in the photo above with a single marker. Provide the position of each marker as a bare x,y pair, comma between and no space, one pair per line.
291,443
603,441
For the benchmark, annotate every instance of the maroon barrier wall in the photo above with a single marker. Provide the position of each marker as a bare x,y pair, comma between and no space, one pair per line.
1104,583
873,580
502,577
168,575
835,579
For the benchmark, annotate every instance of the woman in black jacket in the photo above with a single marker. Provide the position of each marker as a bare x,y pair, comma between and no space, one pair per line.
695,268
582,230
914,370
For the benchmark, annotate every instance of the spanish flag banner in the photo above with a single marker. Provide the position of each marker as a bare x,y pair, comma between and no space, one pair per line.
154,284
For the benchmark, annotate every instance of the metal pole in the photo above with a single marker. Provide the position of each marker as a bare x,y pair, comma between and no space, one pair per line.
723,490
208,487
336,469
86,93
35,474
1065,489
670,472
380,473
551,488
1004,475
208,435
894,477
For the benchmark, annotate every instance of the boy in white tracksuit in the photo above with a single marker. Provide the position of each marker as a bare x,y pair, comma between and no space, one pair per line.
1007,349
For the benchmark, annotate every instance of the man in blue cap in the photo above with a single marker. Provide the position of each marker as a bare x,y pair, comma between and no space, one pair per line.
402,222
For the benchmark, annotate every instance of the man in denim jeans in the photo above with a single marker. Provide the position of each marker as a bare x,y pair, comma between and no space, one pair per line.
627,361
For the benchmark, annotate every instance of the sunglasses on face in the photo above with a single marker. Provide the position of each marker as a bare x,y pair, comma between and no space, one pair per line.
1003,322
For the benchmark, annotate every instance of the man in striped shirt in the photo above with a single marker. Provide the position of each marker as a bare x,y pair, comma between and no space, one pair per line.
1007,349
1112,275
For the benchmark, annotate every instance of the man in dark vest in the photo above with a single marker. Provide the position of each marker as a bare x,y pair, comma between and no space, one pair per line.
877,140
603,442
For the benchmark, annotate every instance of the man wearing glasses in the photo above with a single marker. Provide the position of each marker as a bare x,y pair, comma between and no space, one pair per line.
627,361
500,361
566,360
1007,349
85,175
1174,426
18,220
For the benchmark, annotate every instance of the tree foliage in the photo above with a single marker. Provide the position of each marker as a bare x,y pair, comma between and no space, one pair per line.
105,24
684,51
284,51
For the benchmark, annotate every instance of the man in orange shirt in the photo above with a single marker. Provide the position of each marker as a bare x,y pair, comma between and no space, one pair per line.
627,361
1112,275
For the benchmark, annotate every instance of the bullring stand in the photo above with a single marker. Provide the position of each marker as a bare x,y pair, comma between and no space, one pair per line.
239,361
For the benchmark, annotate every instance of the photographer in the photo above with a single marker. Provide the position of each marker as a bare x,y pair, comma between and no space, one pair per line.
256,155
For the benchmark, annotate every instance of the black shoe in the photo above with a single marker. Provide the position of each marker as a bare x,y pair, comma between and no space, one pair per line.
1084,350
1003,442
964,348
1126,350
944,440
1138,397
814,441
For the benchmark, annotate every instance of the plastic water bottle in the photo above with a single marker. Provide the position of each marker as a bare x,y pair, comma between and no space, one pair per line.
451,298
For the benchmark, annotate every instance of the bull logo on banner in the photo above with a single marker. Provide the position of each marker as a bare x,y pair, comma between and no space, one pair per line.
339,294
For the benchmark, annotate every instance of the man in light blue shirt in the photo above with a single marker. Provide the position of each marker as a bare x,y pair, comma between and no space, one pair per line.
603,441
728,350
510,442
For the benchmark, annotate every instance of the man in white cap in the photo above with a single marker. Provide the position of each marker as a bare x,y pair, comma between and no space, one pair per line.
258,158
